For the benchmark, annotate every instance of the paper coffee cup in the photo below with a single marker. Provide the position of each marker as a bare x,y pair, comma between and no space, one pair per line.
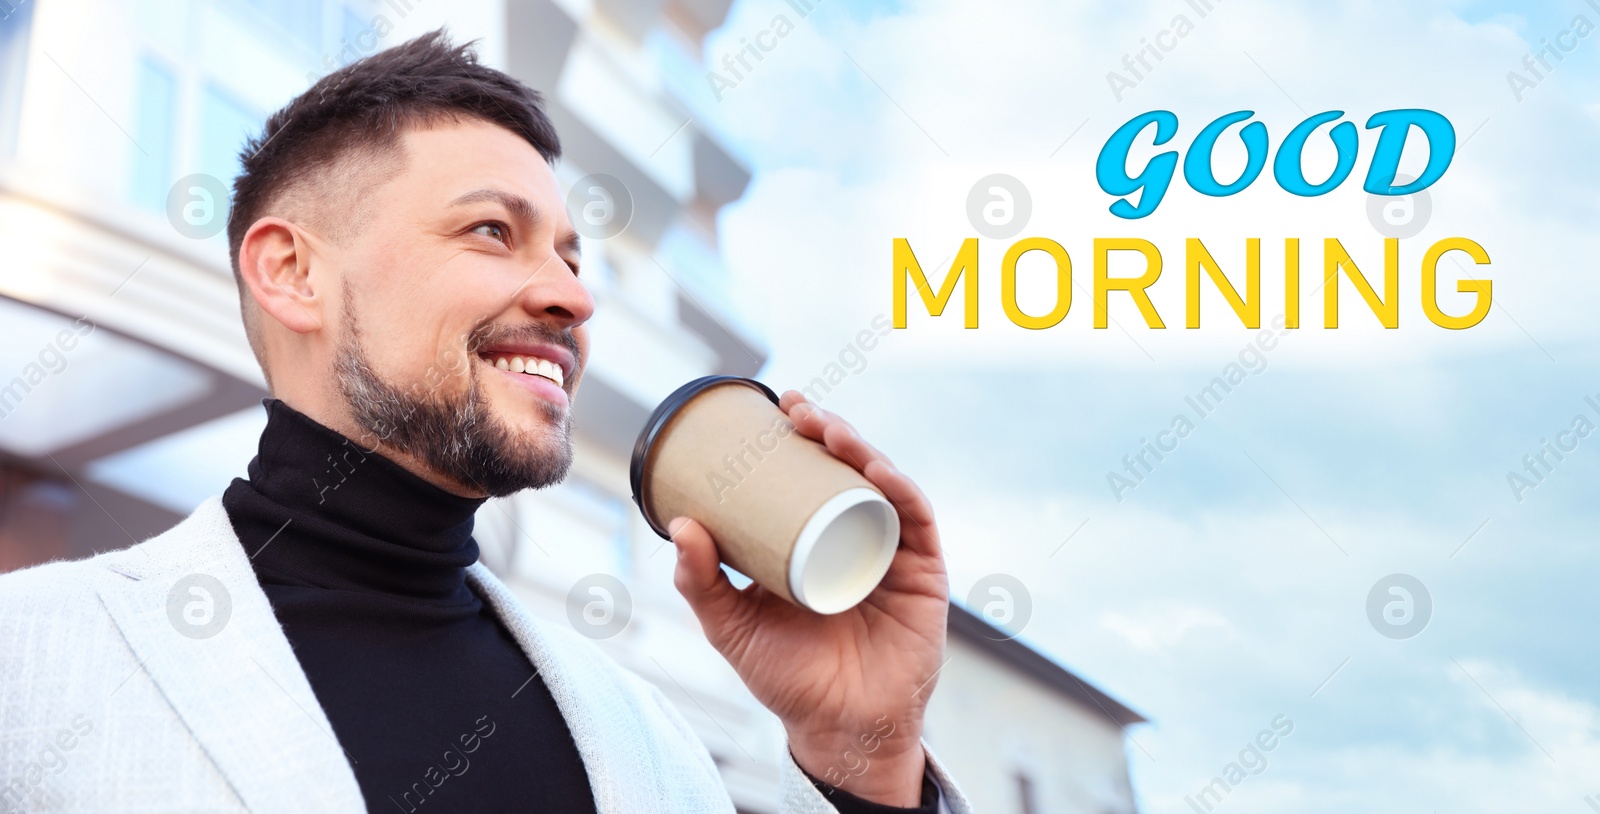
782,509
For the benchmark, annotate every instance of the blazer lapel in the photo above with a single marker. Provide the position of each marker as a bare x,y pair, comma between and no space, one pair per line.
639,758
191,610
622,770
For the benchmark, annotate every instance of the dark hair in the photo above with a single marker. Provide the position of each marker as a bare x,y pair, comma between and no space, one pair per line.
360,112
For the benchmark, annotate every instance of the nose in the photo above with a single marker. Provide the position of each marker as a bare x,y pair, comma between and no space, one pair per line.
556,293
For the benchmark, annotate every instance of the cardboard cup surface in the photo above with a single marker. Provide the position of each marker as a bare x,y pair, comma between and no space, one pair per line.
782,509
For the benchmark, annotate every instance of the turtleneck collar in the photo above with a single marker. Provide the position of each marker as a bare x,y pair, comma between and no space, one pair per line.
318,510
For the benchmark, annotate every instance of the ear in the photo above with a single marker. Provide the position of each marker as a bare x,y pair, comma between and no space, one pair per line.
275,264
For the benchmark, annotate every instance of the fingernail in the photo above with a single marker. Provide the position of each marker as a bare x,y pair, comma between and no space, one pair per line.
676,525
800,411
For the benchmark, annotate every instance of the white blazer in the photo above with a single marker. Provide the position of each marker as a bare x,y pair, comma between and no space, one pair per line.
106,705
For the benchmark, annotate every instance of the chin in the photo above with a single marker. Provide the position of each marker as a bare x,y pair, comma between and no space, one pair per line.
535,425
532,420
543,439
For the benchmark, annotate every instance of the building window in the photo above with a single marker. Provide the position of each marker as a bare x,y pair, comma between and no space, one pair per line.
222,123
605,513
15,19
692,255
360,39
225,125
300,19
155,128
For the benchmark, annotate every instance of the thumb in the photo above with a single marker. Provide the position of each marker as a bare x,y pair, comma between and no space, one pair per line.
700,578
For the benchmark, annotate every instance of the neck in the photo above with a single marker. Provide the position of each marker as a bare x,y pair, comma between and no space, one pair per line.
321,510
342,423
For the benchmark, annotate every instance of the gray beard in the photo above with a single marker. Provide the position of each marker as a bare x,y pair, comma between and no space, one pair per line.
455,436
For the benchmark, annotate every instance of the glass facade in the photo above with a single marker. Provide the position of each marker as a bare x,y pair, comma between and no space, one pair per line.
187,122
300,19
154,129
600,525
224,126
15,19
190,117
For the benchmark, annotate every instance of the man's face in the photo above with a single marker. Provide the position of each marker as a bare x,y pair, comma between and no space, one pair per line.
461,273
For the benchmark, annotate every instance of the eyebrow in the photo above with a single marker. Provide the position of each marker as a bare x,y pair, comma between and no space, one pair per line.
521,209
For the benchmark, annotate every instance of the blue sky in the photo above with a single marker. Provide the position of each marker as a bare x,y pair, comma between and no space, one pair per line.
1212,597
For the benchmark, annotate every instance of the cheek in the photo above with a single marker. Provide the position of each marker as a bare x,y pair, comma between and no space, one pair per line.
581,333
418,333
416,343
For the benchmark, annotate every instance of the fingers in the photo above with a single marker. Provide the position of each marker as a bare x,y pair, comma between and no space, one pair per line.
916,513
846,444
835,433
700,579
842,440
902,492
809,420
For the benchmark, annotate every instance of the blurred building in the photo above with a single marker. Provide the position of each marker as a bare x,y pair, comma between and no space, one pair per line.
1022,733
128,393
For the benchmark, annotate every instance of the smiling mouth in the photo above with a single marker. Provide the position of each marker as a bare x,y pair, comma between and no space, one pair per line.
527,365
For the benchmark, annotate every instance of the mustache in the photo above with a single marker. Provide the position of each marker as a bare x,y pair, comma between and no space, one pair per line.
530,333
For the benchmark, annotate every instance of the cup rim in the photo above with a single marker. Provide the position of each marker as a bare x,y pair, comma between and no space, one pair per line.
658,420
880,558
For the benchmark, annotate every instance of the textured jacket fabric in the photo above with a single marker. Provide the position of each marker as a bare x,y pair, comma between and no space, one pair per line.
156,679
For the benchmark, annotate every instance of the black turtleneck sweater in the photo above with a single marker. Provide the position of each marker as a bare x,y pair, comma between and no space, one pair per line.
364,563
365,566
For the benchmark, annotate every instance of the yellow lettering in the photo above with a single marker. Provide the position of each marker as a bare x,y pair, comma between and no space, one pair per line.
1249,307
906,265
1386,309
1135,286
1008,282
1430,284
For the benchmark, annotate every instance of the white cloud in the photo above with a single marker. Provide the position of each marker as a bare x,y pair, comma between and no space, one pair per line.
1164,628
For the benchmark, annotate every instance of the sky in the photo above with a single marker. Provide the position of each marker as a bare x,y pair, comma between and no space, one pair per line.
1232,585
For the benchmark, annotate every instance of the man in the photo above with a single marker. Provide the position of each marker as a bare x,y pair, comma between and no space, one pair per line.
322,636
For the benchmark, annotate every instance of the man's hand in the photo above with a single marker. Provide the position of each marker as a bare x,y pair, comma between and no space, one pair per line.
850,688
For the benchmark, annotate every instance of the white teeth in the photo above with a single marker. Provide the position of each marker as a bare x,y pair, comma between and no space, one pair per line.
533,366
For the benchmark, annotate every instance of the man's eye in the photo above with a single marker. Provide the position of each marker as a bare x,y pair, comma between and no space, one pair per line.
494,231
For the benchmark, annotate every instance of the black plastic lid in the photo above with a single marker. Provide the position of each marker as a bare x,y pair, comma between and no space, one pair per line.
658,419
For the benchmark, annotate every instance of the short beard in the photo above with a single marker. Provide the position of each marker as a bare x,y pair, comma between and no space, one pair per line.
455,436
